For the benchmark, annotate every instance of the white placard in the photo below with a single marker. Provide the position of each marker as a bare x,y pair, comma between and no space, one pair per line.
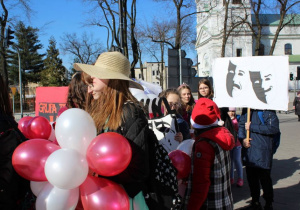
258,82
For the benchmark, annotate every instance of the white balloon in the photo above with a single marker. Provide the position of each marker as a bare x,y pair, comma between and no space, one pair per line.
186,146
53,198
52,135
66,168
75,129
36,187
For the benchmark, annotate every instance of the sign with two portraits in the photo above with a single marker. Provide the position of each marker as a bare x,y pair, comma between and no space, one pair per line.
258,82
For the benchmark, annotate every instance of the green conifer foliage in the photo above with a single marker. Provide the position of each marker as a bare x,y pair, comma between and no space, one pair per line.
54,73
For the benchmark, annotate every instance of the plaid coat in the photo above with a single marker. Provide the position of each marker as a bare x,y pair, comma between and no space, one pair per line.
210,182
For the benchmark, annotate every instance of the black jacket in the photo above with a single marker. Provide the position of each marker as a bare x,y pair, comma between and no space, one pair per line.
135,128
12,186
296,103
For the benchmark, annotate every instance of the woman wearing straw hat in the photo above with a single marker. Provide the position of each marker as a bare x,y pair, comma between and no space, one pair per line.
115,109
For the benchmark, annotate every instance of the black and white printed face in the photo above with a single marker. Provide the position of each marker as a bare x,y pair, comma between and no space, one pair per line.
268,84
236,79
263,85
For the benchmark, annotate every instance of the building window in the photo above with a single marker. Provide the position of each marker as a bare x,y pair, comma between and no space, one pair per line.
238,52
140,76
153,73
261,49
236,1
288,49
157,72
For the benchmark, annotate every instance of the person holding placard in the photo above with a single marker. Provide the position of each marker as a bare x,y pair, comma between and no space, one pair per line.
257,153
173,99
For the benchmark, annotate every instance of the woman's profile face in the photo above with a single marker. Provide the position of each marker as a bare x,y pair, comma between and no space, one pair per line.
185,95
204,90
173,101
98,86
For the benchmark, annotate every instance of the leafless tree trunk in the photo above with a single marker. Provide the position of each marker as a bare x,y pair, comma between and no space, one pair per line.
230,27
3,21
285,6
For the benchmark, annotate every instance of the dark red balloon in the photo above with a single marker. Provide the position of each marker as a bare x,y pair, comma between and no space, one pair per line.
99,193
182,163
29,158
109,154
39,128
22,125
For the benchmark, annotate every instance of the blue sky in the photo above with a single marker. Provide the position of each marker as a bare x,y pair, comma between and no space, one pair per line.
56,17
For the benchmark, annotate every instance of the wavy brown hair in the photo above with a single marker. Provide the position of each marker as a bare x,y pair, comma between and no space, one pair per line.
77,92
107,111
5,105
211,90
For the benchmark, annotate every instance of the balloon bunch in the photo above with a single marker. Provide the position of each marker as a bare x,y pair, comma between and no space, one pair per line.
181,158
59,173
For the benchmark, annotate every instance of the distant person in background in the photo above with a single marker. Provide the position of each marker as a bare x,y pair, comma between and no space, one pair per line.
296,105
77,93
205,89
187,102
235,153
13,188
173,99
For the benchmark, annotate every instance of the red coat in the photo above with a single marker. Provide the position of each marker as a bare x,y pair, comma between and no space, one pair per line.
204,162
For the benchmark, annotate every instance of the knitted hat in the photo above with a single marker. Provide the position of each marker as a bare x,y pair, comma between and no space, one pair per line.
232,109
206,114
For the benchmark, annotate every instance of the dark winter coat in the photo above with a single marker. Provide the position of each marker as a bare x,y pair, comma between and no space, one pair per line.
296,103
12,187
183,127
260,153
135,128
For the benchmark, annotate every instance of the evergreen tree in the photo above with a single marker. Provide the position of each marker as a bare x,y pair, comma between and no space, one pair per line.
27,46
54,73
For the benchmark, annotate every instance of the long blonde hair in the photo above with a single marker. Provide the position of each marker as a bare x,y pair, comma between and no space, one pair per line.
107,111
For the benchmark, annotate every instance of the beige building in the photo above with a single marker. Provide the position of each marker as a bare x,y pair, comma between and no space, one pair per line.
152,71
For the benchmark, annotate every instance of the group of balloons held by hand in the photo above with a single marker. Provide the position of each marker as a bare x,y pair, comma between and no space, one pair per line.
57,162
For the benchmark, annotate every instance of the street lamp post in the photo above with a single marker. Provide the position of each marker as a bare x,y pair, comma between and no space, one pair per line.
20,83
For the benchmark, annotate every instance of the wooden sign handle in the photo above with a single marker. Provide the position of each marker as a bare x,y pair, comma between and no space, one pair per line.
248,120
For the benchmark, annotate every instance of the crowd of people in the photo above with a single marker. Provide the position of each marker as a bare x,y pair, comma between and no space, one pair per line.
221,142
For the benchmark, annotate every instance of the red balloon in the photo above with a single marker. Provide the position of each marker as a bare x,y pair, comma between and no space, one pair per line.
182,162
29,158
39,128
22,125
99,193
109,154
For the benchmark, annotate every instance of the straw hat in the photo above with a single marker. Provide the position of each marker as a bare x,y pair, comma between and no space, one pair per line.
109,65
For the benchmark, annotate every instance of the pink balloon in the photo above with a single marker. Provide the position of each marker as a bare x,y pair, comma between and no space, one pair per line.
29,158
39,128
109,154
182,162
22,125
99,193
